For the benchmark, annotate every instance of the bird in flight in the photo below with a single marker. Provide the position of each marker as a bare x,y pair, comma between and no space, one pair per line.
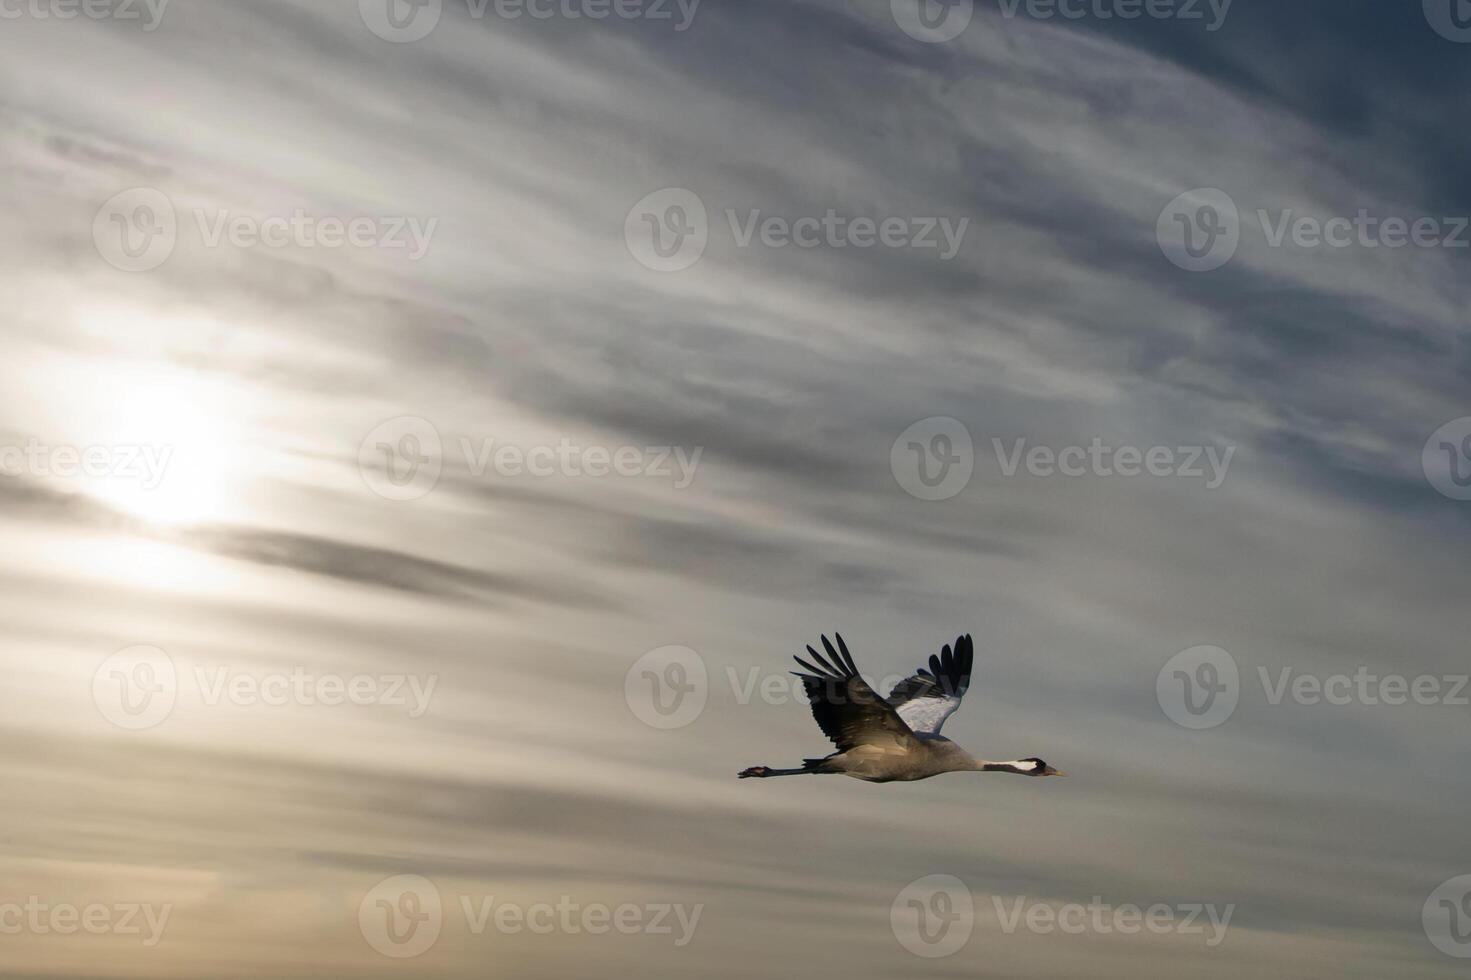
882,740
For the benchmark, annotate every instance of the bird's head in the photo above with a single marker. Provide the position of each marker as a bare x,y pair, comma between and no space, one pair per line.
1040,768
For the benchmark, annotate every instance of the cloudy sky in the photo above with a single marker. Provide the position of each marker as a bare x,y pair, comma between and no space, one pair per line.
427,432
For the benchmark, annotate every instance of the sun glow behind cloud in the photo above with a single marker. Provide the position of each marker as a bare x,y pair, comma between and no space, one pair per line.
169,440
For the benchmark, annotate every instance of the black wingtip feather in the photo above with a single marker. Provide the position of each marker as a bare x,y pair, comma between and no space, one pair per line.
807,667
841,669
843,647
830,662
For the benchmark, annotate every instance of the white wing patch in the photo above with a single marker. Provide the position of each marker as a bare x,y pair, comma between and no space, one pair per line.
926,715
925,699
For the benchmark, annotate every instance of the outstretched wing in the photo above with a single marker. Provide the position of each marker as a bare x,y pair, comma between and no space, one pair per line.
845,707
926,699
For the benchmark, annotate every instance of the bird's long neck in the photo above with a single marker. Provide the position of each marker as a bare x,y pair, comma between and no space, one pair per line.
1017,766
